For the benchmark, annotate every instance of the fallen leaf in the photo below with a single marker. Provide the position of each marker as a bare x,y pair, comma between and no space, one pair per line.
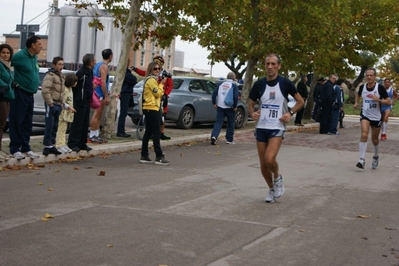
76,168
48,216
365,238
40,183
363,216
301,230
102,173
50,189
109,246
44,219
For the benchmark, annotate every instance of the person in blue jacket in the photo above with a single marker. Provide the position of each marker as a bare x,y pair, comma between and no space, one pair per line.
225,108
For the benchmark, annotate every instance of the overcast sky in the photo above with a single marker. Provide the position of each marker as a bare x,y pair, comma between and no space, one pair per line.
35,13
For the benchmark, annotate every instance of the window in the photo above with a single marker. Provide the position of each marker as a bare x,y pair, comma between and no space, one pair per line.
169,60
177,83
142,58
197,87
211,86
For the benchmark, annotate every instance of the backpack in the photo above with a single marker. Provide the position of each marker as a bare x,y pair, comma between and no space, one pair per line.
229,100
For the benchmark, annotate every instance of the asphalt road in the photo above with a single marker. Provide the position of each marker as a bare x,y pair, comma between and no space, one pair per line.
207,207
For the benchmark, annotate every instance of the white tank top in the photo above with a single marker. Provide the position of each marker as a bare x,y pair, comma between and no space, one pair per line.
272,107
371,109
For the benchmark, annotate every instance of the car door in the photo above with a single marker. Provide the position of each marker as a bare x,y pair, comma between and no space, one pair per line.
201,99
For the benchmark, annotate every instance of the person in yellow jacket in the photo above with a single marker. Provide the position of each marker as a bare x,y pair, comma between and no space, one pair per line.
152,94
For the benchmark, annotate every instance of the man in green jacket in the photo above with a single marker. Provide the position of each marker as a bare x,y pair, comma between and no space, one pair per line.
26,76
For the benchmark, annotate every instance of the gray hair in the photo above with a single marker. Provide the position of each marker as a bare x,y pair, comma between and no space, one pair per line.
231,75
87,59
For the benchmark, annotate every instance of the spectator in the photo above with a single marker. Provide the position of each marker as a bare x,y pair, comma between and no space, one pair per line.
316,99
126,93
67,113
100,70
341,112
168,86
337,106
6,91
152,94
303,91
223,110
82,94
52,91
26,73
326,97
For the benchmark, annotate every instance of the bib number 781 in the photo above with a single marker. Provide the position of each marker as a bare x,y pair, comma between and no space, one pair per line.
273,113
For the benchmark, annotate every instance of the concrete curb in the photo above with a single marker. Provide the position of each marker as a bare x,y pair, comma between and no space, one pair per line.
134,145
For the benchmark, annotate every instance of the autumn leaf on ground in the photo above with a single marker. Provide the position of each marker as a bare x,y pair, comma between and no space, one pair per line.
363,216
102,173
48,216
44,219
109,245
50,189
76,168
40,183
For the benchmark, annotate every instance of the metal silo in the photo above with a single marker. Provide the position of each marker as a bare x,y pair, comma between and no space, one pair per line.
71,41
116,45
104,37
55,37
68,10
87,36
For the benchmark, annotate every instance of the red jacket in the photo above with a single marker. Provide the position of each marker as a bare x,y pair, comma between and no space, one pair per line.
167,87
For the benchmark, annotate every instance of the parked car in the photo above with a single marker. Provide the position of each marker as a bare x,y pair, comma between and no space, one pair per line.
39,112
189,102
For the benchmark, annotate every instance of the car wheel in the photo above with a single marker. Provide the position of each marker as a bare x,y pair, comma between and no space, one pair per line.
135,121
240,118
186,118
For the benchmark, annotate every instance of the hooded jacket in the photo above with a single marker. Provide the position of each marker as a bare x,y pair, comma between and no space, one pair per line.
53,87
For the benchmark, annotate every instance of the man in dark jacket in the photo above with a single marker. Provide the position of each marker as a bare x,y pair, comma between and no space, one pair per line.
82,94
124,98
326,98
316,99
303,91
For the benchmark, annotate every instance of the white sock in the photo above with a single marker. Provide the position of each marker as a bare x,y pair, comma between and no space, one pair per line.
93,133
376,150
362,149
384,127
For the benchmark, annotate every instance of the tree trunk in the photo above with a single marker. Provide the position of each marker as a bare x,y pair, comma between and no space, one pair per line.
352,87
309,103
121,68
249,74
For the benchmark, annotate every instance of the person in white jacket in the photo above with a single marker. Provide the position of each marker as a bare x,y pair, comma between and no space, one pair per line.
225,107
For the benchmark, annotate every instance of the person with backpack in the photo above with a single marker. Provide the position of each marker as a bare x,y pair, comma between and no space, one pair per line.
151,96
225,99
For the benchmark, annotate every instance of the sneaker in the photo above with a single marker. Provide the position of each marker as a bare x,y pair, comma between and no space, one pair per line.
330,133
18,155
145,159
270,197
230,142
164,137
213,141
32,155
75,149
161,161
361,163
95,139
85,148
383,136
67,149
278,187
52,150
374,164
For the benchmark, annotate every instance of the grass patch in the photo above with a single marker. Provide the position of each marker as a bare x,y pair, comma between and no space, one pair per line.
349,110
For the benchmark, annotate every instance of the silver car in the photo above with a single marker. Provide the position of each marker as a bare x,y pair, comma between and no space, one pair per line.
190,102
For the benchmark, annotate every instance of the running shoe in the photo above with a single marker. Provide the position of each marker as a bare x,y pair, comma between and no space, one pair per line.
230,142
270,197
213,141
278,187
374,164
361,163
145,159
18,155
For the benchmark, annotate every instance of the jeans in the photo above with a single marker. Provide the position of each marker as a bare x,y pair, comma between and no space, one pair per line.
124,105
152,127
50,131
221,113
334,121
20,121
